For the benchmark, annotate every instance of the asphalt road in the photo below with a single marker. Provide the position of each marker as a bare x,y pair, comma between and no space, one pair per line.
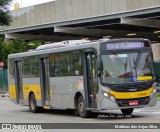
12,113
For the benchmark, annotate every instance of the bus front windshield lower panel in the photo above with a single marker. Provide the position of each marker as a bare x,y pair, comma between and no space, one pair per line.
127,68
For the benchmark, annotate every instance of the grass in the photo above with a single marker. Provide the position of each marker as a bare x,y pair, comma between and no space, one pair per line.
158,95
2,92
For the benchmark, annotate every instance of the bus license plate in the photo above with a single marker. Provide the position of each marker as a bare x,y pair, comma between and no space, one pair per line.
132,103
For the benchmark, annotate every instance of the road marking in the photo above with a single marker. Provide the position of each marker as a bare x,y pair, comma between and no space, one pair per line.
4,102
148,111
83,119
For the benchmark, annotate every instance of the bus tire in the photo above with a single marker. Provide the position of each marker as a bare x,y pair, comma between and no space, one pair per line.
82,111
127,111
33,104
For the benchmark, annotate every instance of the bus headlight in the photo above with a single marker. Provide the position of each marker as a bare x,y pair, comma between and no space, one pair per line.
112,98
152,94
109,96
106,95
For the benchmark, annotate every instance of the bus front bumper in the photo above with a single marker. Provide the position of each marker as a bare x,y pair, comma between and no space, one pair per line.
107,104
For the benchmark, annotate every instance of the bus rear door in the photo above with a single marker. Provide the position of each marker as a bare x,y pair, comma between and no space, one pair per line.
18,80
44,77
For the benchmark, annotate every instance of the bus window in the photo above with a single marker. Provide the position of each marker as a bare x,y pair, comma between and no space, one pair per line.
30,67
54,65
148,67
76,63
60,64
120,68
26,67
64,66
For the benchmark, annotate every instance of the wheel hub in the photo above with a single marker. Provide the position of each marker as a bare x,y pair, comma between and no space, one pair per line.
32,104
81,107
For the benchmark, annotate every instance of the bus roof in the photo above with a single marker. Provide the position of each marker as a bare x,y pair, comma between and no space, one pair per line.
62,44
45,49
68,46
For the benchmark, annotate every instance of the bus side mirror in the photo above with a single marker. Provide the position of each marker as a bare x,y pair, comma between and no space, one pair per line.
157,84
99,67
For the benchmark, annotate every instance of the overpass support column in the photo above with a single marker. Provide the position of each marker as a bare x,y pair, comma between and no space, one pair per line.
156,56
7,40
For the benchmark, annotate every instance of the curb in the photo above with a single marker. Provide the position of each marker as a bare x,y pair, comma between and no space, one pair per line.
158,99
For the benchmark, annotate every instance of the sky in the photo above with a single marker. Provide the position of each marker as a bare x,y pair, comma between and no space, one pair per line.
25,3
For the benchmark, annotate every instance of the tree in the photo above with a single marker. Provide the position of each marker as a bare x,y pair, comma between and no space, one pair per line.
5,15
15,46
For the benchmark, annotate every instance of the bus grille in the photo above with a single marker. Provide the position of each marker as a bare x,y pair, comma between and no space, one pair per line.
131,87
125,102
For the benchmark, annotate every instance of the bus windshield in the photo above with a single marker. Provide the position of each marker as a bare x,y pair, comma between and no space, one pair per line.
127,67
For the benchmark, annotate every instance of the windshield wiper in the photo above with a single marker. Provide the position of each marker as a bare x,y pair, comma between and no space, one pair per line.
125,69
136,62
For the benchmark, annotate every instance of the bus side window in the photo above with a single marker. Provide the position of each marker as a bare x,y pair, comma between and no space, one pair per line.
64,67
55,71
54,65
147,68
76,63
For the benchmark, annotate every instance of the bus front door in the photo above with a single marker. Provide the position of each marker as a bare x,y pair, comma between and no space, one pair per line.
90,85
18,81
45,88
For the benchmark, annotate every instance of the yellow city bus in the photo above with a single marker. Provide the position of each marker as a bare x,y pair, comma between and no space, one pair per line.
85,76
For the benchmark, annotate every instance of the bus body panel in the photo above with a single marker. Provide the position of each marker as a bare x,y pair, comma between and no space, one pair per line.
12,90
63,89
110,105
28,85
29,81
73,84
153,101
57,84
32,85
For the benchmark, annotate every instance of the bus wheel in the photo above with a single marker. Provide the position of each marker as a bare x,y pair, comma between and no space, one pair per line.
82,111
33,104
127,111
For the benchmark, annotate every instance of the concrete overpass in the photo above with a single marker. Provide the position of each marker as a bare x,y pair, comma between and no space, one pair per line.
75,19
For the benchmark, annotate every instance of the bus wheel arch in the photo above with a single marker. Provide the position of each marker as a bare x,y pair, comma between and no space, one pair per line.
80,106
77,95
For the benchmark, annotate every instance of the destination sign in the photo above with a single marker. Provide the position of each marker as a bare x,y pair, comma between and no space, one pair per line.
124,45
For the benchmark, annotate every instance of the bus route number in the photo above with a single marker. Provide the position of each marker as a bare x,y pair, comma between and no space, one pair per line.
142,94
